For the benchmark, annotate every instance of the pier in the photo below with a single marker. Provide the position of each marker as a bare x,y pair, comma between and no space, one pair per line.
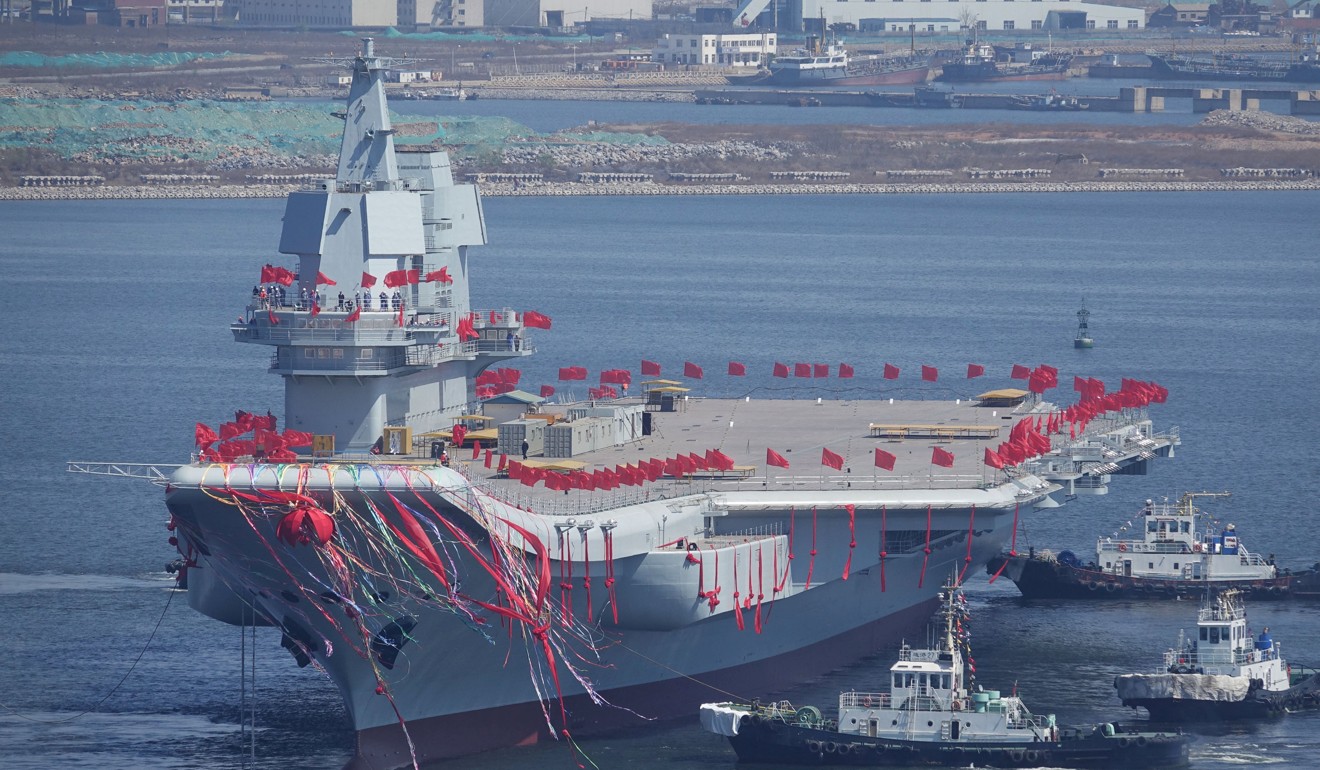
1129,99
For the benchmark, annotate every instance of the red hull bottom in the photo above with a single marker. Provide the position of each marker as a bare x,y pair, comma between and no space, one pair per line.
454,735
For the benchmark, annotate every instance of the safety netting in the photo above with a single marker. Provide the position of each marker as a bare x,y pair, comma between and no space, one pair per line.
106,59
116,131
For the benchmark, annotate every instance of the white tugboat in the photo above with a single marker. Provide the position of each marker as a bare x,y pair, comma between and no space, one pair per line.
1221,673
1180,553
933,714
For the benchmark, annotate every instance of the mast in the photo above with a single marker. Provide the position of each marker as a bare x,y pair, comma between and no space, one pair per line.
391,338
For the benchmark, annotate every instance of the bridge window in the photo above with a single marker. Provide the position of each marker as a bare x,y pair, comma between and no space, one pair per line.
1132,24
1112,24
1008,24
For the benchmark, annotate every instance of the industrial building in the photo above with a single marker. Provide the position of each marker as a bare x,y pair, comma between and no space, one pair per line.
937,15
437,13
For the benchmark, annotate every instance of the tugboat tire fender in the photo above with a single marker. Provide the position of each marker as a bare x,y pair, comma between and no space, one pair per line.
1123,742
1033,755
1016,755
844,748
813,746
1141,740
1111,587
831,747
1094,586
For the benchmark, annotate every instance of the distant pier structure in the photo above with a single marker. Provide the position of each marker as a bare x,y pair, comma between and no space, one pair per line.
1083,338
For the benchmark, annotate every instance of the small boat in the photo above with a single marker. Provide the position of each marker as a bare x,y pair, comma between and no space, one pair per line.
1051,102
1179,554
933,714
980,64
1221,673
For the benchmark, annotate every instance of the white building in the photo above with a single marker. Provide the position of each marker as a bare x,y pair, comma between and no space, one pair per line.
319,13
733,50
555,14
943,15
435,13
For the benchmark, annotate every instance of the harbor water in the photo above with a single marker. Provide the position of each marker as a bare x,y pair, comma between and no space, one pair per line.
118,343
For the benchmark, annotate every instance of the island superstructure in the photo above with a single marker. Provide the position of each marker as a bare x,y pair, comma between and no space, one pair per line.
589,564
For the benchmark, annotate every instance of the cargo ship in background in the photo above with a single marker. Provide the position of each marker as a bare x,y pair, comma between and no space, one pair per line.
475,566
1227,66
980,63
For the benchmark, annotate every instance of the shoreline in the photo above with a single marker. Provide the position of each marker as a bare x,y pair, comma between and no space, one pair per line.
567,189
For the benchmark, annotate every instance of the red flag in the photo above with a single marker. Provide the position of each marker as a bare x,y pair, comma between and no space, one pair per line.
400,314
476,449
283,276
737,370
316,310
831,459
884,460
441,275
396,278
322,279
774,458
993,459
268,273
353,316
891,372
204,436
820,370
781,370
504,462
547,391
941,457
845,371
535,320
691,370
270,316
295,438
412,276
368,280
975,370
801,370
929,373
1020,372
650,368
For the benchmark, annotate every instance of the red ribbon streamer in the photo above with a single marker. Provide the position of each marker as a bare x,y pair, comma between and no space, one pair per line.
811,566
737,605
971,532
609,573
1012,548
926,558
852,538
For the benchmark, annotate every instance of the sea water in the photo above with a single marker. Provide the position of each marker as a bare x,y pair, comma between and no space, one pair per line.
117,343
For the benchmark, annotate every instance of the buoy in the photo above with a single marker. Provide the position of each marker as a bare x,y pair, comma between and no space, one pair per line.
1122,546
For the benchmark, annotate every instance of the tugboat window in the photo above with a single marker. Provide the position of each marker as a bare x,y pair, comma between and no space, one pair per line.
1214,636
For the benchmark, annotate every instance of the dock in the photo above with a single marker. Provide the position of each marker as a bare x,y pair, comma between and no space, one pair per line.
1129,99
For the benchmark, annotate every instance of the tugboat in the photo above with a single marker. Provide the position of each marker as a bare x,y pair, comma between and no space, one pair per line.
1179,555
1083,339
1221,673
933,714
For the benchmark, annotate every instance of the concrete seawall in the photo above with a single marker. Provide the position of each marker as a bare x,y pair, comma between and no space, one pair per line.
573,189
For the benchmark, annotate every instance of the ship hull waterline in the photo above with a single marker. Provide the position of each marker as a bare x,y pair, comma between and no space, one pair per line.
488,700
769,741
